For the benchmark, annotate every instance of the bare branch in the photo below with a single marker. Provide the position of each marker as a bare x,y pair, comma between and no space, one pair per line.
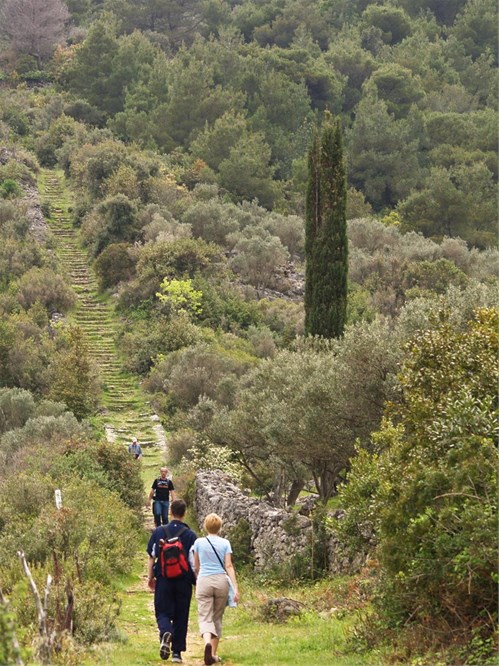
34,27
39,606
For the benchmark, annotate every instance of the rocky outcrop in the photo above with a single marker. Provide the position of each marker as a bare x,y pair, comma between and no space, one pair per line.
276,535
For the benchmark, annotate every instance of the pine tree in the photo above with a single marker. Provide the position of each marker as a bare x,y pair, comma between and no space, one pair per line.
326,244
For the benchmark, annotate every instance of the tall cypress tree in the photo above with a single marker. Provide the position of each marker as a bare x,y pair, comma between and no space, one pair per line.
326,244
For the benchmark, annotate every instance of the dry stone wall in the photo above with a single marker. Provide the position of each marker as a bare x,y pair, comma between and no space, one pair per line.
276,536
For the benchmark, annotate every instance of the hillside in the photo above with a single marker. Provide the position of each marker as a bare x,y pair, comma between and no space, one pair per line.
156,166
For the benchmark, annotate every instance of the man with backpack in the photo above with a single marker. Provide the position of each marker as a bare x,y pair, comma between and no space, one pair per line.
171,578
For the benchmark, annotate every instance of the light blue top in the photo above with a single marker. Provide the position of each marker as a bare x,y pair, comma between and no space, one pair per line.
207,558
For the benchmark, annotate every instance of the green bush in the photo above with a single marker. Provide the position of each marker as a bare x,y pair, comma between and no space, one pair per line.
201,370
124,475
430,489
46,287
114,265
10,189
224,307
9,654
16,407
113,220
42,429
240,539
96,611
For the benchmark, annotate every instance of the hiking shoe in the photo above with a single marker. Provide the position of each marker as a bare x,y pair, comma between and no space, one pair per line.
208,656
176,658
164,648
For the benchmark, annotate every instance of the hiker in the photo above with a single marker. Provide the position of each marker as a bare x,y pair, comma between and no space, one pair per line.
160,496
134,449
212,565
172,587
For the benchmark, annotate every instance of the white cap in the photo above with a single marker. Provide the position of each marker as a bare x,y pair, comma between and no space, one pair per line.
134,440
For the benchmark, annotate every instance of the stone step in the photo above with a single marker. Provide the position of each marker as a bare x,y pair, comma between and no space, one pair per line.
122,398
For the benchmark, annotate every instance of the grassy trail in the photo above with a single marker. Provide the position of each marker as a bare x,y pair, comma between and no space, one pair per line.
247,640
126,410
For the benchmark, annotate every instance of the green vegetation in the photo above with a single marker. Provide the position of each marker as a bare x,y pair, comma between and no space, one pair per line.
429,491
326,243
165,252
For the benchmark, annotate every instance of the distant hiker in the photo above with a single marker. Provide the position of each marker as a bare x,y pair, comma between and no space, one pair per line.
160,494
171,578
212,565
134,449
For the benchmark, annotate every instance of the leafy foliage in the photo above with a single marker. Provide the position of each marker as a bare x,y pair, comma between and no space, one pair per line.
78,543
430,490
326,241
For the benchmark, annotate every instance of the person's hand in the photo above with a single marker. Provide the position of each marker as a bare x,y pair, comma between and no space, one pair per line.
236,597
151,583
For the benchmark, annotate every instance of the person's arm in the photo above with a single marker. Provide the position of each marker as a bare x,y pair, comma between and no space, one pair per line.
151,581
140,453
172,491
197,564
229,568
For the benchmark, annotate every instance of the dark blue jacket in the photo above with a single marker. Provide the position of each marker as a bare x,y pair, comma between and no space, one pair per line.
187,538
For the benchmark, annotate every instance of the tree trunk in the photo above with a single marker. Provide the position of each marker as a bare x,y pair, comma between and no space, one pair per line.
294,491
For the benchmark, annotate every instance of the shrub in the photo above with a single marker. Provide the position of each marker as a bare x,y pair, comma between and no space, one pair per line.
73,378
16,407
284,317
10,189
223,306
114,220
47,429
258,256
114,265
179,444
434,276
96,611
240,537
430,489
210,220
263,341
144,341
200,370
46,287
9,653
123,473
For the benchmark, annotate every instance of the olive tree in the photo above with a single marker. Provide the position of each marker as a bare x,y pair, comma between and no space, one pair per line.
300,413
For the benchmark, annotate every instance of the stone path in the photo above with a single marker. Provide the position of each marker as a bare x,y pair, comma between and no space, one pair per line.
126,410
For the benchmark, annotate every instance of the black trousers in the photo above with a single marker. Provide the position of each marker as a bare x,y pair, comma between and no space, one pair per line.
172,599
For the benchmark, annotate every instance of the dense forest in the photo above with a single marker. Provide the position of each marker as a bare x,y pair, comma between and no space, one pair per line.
183,131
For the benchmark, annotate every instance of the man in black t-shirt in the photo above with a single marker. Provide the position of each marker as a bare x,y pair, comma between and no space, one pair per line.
160,495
